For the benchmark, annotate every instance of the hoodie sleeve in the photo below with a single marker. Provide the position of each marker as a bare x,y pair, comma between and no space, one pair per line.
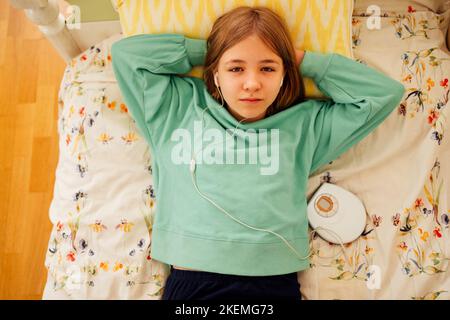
361,98
146,68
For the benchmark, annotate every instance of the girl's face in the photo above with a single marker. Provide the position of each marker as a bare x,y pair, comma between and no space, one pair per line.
249,70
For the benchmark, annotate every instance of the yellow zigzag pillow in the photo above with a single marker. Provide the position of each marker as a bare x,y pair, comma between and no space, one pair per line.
315,25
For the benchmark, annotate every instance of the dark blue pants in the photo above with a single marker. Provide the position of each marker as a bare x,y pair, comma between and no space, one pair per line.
200,285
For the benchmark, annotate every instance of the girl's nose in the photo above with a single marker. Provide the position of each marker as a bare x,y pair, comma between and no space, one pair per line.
252,84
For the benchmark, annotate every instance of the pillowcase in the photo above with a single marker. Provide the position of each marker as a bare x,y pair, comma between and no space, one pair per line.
315,25
103,203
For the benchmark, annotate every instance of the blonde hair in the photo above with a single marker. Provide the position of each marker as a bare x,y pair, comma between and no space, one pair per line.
241,22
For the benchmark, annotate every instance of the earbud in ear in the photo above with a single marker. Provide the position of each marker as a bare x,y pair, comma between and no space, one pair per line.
216,82
281,83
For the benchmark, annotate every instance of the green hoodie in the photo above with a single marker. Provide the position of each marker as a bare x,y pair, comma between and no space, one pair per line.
270,194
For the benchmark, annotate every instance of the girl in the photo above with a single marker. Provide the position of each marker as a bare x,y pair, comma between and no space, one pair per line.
231,228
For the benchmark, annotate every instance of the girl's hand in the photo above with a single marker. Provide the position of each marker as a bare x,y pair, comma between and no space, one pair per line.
299,54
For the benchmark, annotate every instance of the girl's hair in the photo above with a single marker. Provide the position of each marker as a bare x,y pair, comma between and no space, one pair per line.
238,24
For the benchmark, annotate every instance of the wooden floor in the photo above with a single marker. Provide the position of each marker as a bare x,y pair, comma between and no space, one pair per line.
30,73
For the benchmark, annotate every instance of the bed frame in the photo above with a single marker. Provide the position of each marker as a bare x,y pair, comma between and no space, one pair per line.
70,39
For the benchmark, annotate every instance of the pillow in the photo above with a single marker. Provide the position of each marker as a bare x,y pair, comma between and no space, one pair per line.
392,8
319,25
103,202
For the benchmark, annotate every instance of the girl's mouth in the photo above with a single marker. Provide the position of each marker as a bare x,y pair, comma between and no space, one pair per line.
251,100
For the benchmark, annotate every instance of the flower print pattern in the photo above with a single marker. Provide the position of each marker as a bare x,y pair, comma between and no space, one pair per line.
90,249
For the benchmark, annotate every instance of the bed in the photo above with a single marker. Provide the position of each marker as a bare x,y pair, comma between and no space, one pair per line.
104,202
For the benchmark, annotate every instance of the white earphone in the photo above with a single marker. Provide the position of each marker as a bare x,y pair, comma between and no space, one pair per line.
216,82
331,235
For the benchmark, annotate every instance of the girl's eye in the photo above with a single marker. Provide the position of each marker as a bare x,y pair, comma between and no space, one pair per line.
267,68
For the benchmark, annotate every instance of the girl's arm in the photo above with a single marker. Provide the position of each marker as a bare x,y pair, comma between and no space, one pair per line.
362,98
146,66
